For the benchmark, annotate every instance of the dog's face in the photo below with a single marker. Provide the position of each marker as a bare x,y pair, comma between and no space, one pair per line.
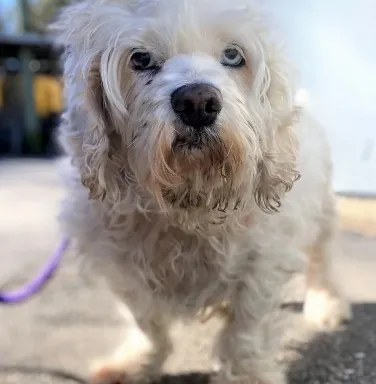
185,100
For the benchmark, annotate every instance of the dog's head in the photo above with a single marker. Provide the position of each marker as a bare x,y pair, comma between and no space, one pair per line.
187,101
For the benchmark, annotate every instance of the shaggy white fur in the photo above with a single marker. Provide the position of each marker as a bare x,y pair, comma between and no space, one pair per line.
178,218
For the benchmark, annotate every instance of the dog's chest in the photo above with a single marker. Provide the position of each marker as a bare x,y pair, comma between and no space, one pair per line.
181,268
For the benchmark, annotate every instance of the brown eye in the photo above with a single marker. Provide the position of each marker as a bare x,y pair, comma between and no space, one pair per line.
232,57
142,60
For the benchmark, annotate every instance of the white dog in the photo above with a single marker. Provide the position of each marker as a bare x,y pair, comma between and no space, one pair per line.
187,146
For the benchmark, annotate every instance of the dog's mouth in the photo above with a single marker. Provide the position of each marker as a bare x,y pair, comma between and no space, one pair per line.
188,143
194,140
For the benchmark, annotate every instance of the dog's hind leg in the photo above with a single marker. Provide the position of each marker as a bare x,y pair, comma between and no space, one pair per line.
324,304
140,357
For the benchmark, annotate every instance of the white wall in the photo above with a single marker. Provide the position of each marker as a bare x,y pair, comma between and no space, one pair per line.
333,43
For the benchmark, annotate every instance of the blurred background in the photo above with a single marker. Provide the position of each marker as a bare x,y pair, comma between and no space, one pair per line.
333,44
30,78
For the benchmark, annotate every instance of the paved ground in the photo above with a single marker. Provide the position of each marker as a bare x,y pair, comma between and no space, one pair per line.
52,338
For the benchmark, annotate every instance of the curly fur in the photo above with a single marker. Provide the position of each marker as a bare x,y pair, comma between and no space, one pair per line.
176,229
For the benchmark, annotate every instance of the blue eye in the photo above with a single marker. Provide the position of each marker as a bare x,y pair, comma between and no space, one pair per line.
232,57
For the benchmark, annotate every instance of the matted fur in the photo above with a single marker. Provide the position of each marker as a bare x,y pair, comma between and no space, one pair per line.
175,229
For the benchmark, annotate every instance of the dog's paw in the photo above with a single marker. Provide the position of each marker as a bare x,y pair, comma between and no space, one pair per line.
108,374
111,372
326,310
129,364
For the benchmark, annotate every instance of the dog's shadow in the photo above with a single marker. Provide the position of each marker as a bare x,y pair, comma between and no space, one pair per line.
31,373
188,378
347,355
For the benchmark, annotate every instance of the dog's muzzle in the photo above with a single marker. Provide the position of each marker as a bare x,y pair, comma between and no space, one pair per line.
197,105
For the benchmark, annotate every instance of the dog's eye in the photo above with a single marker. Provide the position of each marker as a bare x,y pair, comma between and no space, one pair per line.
142,60
232,57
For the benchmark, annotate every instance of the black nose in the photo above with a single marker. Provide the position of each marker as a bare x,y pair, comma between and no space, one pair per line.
197,105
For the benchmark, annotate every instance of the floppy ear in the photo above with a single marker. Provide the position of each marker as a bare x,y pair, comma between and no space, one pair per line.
94,101
278,169
101,169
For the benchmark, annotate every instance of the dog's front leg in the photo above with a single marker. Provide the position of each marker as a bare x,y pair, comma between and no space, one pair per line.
249,341
140,357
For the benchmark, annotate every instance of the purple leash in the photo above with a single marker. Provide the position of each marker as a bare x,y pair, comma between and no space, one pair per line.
39,281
